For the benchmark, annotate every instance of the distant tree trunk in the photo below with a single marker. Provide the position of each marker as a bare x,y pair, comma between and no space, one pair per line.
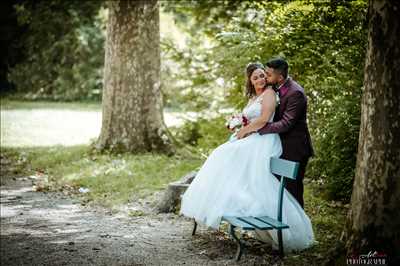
373,220
132,103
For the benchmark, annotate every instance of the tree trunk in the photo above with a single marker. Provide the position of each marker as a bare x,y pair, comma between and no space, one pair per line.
373,219
132,103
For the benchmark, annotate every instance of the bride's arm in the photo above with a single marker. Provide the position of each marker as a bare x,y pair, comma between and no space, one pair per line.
267,109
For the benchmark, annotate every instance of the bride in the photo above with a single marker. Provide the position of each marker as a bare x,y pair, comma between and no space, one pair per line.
236,180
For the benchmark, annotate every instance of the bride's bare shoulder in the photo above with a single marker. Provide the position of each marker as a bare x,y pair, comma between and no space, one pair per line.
268,93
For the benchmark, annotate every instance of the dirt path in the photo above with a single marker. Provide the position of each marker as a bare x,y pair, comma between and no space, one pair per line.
49,228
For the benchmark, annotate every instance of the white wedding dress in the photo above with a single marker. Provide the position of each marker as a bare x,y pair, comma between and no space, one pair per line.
236,180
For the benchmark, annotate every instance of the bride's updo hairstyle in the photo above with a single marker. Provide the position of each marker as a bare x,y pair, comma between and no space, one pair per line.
250,90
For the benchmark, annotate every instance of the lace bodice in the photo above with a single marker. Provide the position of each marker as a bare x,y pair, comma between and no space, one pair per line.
253,109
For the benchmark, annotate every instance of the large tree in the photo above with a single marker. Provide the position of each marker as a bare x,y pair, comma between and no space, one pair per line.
132,104
373,220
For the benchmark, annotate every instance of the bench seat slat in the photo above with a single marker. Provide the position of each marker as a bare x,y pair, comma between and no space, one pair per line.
238,223
274,223
256,223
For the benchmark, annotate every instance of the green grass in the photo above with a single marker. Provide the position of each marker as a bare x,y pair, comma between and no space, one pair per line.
12,104
111,179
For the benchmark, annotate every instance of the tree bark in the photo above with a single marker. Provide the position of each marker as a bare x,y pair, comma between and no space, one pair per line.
373,219
171,200
132,103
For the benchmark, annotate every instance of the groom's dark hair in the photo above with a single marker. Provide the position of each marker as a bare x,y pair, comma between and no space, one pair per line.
280,65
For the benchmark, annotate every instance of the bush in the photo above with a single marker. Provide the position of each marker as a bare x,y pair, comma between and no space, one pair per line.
64,54
204,134
337,151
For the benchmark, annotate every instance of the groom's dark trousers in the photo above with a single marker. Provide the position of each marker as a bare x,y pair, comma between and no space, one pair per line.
290,122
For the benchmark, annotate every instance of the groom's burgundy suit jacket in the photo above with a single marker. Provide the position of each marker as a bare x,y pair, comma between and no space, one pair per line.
291,124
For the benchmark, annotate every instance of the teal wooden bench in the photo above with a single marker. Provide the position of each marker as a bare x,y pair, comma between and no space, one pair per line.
283,168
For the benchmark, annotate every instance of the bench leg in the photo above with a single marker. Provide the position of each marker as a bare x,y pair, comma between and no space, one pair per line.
281,254
239,243
194,227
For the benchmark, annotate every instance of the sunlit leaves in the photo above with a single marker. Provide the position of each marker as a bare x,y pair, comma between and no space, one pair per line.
324,43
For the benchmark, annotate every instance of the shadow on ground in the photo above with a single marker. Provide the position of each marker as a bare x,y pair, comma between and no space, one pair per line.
49,228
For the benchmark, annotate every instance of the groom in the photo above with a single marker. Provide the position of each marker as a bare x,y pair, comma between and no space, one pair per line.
290,122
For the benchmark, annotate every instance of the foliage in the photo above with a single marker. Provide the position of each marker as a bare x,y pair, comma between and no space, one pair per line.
337,149
189,83
204,134
324,43
64,55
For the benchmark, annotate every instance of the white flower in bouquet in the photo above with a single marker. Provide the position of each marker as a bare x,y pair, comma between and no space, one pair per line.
236,122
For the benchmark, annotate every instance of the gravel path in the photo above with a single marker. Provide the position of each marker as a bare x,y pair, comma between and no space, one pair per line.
50,228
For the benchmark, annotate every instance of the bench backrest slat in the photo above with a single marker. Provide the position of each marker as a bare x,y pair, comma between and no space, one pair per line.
286,169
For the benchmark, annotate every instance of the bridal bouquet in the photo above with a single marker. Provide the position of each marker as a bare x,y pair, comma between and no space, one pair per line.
235,123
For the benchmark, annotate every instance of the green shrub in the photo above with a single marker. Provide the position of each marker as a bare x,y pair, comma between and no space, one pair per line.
64,50
337,151
204,134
